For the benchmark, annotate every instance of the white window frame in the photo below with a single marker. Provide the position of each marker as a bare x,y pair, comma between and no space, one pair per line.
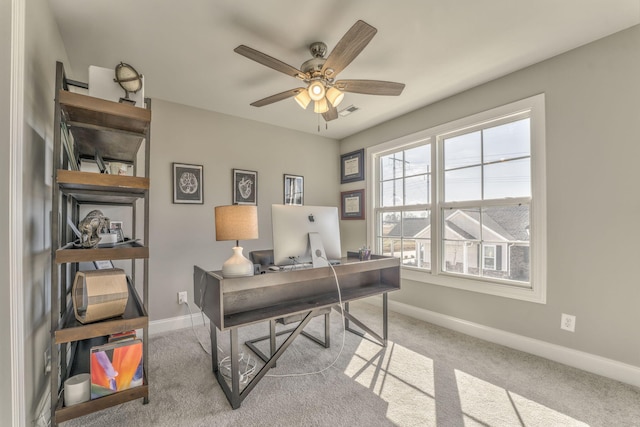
537,291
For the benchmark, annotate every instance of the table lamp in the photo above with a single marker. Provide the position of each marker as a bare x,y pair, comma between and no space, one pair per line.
237,222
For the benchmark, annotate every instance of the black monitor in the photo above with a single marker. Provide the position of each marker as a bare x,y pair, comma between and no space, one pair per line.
297,228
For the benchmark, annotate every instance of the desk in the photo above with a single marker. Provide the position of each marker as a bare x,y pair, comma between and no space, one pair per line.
232,303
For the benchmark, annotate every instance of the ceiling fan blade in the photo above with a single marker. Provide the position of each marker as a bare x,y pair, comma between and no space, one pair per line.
349,46
269,61
370,87
277,97
332,114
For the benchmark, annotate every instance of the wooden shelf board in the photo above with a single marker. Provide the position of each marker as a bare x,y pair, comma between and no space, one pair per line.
132,250
69,180
66,413
107,114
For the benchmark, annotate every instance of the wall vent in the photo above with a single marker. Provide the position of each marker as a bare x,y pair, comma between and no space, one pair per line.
350,109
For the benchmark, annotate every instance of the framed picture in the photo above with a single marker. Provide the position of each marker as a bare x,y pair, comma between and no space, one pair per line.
116,227
352,166
103,265
293,190
245,187
352,204
187,183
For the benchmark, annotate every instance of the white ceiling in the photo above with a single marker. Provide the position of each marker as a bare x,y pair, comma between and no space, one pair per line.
436,47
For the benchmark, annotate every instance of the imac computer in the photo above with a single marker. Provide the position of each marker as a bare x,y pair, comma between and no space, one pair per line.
305,234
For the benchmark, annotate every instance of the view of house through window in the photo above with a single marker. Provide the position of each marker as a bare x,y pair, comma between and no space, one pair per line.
458,202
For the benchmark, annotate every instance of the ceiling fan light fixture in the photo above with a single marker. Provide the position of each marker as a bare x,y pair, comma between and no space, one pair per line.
335,96
316,90
303,99
321,106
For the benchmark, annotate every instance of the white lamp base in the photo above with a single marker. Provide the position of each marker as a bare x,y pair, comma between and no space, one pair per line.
237,265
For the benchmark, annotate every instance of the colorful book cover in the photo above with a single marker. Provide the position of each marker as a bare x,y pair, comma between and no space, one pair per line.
115,367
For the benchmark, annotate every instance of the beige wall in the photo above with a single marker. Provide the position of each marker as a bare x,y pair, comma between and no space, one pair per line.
184,235
593,146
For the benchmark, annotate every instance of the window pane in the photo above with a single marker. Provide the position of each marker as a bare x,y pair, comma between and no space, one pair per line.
461,224
418,160
463,150
390,224
507,141
461,257
508,179
417,190
506,223
462,184
391,166
416,224
392,194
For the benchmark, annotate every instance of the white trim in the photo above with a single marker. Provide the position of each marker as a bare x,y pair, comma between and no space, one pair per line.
609,368
537,293
16,141
175,323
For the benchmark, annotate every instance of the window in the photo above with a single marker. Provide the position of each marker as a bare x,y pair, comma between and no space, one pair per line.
463,204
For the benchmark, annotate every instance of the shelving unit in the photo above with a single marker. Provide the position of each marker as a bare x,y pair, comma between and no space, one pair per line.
117,132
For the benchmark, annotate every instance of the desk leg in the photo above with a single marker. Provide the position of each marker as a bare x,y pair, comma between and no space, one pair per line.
385,319
235,370
272,337
382,340
214,347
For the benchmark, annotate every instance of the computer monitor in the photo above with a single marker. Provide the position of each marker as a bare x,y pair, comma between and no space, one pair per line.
291,239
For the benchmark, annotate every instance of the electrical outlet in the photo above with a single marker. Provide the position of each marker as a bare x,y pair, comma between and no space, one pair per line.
47,361
182,297
568,322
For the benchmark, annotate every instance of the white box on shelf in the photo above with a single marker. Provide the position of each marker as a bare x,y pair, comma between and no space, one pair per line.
102,85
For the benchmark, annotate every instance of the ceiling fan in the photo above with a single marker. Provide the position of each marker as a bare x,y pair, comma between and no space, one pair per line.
319,73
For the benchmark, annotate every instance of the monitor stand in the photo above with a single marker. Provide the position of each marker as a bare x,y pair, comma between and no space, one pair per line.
318,256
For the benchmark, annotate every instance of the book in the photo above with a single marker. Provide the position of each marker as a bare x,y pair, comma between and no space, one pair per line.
115,367
121,336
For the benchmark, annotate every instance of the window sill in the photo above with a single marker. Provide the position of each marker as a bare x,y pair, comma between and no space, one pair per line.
536,294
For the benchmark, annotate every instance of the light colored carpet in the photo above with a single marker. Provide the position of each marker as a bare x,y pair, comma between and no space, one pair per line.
426,376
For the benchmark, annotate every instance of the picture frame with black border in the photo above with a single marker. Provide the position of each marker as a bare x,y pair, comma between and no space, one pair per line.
245,187
352,166
293,190
187,184
352,204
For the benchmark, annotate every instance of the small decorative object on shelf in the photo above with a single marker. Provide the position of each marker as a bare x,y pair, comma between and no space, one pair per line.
90,227
116,366
77,389
129,80
99,294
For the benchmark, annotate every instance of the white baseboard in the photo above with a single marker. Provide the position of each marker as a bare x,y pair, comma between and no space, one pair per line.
175,323
609,368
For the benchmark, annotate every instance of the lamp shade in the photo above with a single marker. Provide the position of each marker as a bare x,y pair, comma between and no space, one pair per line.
335,96
303,99
236,222
321,106
316,90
